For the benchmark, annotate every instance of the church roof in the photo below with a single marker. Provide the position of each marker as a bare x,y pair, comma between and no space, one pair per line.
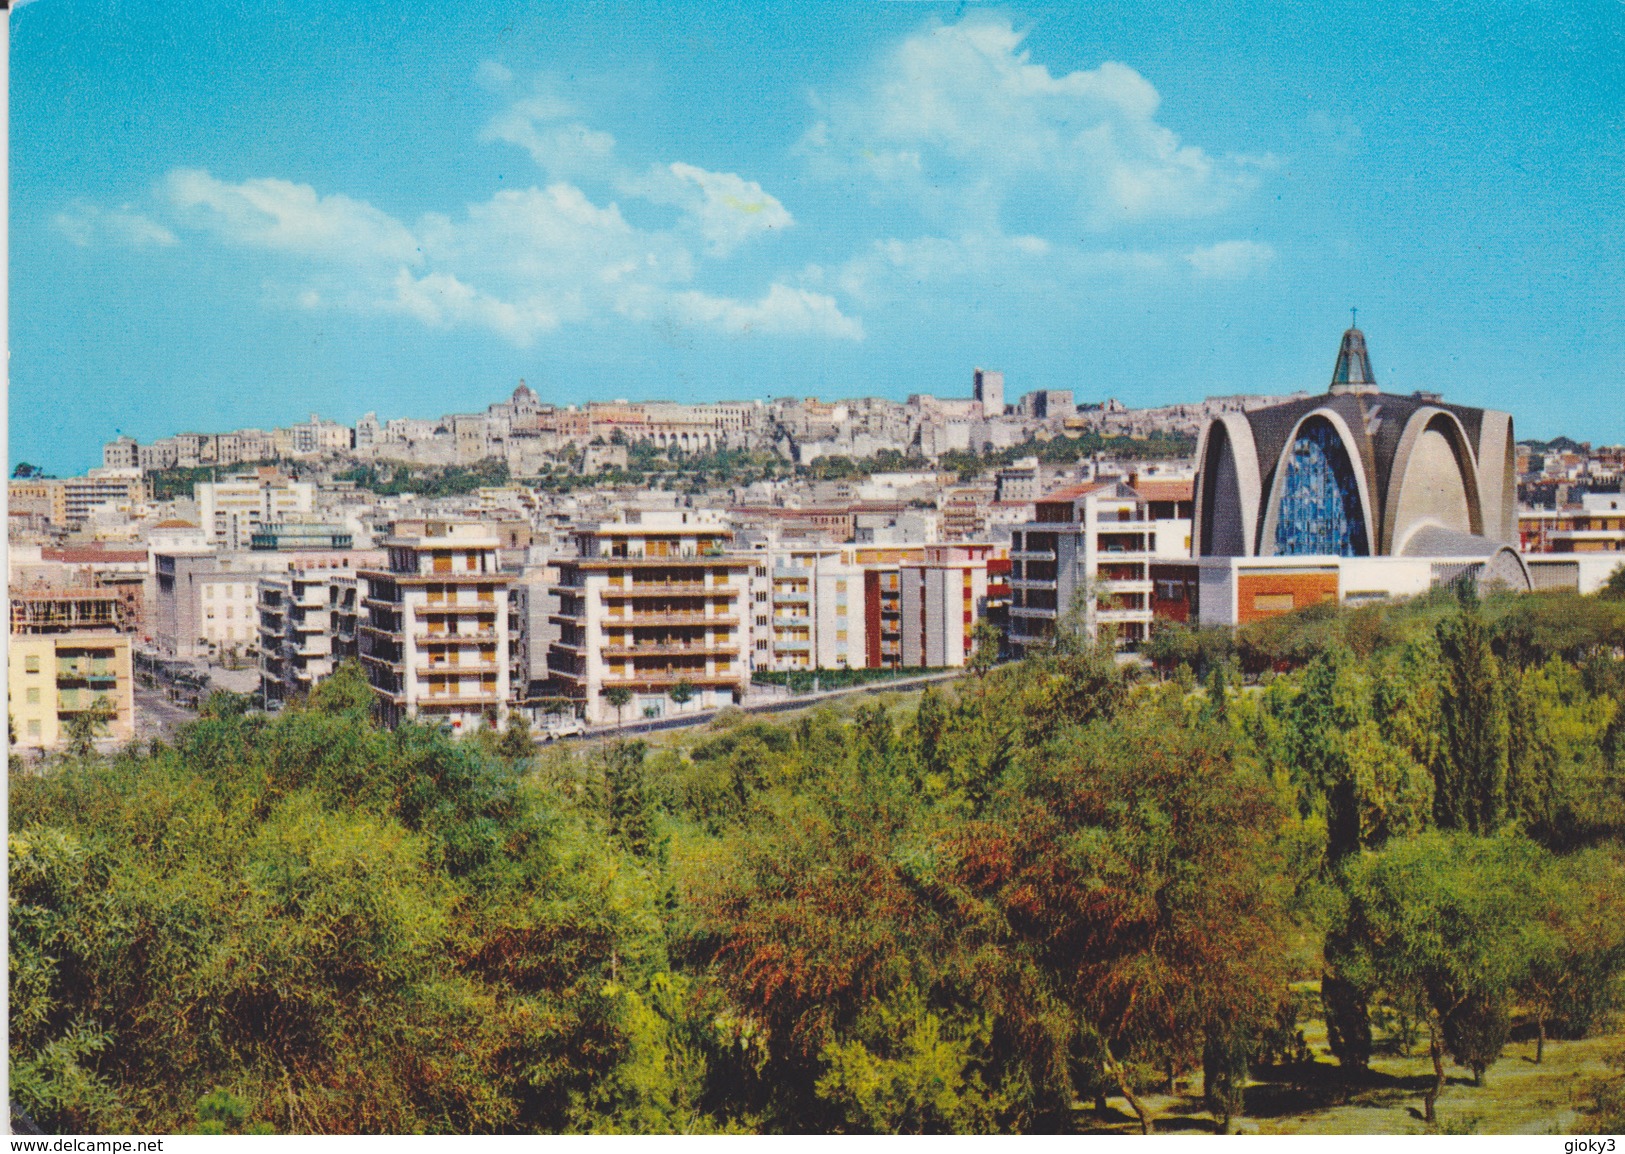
1352,373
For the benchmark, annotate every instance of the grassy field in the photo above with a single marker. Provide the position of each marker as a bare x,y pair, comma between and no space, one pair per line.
1517,1097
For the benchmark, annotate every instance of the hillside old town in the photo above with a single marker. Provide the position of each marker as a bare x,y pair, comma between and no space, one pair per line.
621,562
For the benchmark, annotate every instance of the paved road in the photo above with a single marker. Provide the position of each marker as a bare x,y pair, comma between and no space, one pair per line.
156,716
772,705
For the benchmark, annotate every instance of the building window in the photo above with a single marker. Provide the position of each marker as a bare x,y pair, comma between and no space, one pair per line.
1320,513
1272,602
33,727
31,664
33,695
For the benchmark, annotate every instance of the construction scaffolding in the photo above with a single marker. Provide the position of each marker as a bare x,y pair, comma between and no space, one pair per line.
67,611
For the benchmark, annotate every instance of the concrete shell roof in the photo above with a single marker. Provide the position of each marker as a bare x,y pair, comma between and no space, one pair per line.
1377,421
1437,541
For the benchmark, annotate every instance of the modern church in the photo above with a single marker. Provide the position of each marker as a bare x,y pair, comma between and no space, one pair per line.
1353,496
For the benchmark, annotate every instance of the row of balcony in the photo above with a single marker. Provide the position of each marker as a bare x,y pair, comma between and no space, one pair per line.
635,620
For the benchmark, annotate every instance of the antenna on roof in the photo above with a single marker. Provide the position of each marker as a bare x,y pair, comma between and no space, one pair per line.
1354,318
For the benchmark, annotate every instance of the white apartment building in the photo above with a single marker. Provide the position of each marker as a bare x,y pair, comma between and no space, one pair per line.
943,597
434,633
118,488
809,608
232,511
1094,544
307,624
651,602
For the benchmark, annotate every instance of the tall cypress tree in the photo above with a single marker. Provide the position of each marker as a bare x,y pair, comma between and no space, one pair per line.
1470,774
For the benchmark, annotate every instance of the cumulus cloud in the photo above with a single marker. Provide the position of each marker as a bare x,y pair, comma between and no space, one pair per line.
523,263
547,127
725,209
959,120
86,224
286,217
784,311
1230,259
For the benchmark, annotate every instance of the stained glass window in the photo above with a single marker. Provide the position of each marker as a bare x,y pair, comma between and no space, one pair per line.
1320,511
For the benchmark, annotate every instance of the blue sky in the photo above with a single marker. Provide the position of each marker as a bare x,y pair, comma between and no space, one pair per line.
228,214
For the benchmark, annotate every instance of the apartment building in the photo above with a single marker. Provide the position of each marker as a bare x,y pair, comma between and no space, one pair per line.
809,609
434,633
651,602
121,453
233,511
1597,526
1093,546
307,626
72,500
206,602
68,654
943,596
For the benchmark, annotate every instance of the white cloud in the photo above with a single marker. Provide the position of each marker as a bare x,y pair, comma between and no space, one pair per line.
961,121
1230,259
286,217
559,145
784,311
523,263
440,300
724,208
86,224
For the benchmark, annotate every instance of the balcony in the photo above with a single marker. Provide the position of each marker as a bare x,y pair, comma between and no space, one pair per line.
1033,555
454,638
663,588
666,680
461,701
727,647
453,668
638,619
1135,585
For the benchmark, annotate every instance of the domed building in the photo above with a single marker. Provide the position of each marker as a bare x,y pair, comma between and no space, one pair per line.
1356,495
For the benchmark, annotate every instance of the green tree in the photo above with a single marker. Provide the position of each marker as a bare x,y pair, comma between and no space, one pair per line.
986,642
626,787
1442,924
1614,588
681,693
85,726
619,697
517,741
344,692
1577,950
1157,935
1470,774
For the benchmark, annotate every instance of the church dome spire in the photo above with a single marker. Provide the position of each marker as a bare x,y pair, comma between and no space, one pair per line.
1353,372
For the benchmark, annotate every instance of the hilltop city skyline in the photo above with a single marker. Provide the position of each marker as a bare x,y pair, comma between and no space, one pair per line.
231,217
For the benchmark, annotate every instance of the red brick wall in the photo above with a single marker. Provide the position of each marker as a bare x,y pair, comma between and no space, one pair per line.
1304,589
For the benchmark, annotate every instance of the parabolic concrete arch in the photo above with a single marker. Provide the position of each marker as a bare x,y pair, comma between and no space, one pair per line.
1227,489
1497,479
1434,480
1352,460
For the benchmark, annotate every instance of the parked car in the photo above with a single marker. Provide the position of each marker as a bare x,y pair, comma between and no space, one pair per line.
564,727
